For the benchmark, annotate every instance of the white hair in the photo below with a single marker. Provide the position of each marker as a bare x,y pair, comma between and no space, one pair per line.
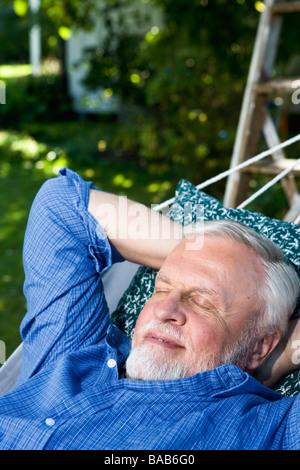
278,293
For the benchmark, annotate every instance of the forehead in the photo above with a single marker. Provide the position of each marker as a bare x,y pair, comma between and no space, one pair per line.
212,246
220,262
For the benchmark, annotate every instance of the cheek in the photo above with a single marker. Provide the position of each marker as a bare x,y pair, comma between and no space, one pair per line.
206,336
144,317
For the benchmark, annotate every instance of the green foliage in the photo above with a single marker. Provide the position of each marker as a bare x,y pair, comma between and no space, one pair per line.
180,87
35,99
70,13
13,37
16,20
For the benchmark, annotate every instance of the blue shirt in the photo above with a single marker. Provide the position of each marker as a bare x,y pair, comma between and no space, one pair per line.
70,394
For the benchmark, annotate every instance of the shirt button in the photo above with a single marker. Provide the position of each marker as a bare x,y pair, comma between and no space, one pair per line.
111,363
50,421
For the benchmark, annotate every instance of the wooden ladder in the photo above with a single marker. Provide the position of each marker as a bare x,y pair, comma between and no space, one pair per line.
255,119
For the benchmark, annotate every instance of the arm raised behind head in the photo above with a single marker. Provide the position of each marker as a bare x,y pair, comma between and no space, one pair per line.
139,234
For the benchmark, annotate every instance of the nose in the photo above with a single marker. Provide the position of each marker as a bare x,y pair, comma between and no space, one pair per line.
170,309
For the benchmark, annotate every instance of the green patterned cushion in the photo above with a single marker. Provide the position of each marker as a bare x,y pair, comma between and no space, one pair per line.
285,234
290,386
134,299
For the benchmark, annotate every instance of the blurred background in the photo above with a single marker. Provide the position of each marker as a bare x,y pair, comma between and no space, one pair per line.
132,94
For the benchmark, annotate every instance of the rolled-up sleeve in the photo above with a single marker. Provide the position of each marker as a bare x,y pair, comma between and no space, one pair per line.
65,252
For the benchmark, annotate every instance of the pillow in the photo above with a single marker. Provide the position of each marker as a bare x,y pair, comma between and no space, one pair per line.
134,299
285,234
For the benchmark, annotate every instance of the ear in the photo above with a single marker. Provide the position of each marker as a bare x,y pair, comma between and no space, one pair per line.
260,349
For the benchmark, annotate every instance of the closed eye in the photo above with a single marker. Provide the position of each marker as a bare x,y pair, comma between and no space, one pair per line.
161,290
204,307
201,303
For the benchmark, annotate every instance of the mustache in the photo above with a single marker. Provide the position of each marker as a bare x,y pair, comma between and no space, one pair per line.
166,328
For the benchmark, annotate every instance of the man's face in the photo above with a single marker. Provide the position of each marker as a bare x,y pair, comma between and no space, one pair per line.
201,307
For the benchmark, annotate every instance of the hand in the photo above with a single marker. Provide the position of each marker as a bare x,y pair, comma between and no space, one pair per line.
283,359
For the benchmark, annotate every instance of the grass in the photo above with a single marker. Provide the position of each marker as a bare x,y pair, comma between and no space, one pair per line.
16,195
14,71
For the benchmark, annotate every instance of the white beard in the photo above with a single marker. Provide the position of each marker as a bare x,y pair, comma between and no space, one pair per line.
146,362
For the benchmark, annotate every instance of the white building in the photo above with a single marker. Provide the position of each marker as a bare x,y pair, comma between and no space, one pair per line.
91,102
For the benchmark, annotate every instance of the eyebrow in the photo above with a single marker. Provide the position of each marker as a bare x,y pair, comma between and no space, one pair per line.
201,290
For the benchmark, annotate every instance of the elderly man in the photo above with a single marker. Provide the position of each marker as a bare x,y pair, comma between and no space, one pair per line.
217,312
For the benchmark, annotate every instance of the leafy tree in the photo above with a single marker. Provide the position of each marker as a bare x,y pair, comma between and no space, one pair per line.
12,27
180,87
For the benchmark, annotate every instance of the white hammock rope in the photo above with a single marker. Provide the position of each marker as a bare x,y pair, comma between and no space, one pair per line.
242,165
250,161
268,185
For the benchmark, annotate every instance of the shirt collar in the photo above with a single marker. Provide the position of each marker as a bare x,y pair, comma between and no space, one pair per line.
117,340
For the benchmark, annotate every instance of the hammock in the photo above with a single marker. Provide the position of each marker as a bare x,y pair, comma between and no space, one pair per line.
127,286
